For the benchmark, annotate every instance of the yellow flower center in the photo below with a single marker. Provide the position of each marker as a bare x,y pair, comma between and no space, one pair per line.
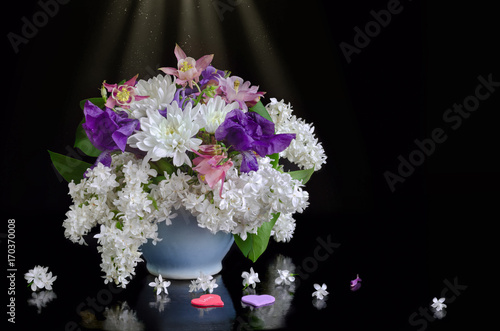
236,85
123,95
185,66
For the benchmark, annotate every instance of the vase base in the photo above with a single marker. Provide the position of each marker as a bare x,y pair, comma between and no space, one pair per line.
181,273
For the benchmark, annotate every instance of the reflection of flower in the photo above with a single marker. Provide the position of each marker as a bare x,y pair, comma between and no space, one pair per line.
285,277
121,317
320,292
319,303
161,301
160,285
250,278
438,304
41,299
39,278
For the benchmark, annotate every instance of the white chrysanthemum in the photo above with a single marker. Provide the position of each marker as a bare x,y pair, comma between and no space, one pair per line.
170,136
161,91
305,150
215,111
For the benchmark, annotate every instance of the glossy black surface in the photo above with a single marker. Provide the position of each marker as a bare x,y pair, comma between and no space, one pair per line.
433,235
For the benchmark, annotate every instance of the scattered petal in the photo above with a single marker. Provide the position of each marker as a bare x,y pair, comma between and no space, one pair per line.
320,292
250,278
160,285
438,304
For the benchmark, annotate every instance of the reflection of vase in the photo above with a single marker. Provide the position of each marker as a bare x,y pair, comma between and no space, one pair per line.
186,249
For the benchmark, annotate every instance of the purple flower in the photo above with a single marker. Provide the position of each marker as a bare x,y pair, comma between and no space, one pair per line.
211,76
108,130
251,134
356,283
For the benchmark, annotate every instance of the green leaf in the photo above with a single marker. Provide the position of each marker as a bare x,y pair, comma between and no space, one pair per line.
256,244
261,110
303,175
275,158
153,200
156,180
164,165
69,168
83,143
99,102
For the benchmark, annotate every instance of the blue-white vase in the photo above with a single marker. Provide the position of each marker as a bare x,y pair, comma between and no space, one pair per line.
186,249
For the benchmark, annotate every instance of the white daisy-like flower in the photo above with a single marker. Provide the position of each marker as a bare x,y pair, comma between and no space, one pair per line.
215,111
39,278
250,278
170,136
160,285
320,292
161,91
438,304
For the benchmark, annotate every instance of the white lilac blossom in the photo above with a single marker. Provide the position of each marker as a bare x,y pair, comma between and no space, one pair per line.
285,277
200,141
215,112
204,283
160,285
320,292
438,304
305,150
39,278
250,278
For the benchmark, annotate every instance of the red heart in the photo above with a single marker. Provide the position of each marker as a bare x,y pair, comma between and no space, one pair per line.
208,300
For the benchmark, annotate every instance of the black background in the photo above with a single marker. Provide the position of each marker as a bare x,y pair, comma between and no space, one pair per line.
437,225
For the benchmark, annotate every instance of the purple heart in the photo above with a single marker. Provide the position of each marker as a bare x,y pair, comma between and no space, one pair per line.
258,300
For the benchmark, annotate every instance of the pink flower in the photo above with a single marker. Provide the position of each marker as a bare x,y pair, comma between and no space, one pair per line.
188,70
123,95
212,168
235,89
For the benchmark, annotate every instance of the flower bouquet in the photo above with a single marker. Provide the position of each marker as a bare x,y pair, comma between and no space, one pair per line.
193,137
